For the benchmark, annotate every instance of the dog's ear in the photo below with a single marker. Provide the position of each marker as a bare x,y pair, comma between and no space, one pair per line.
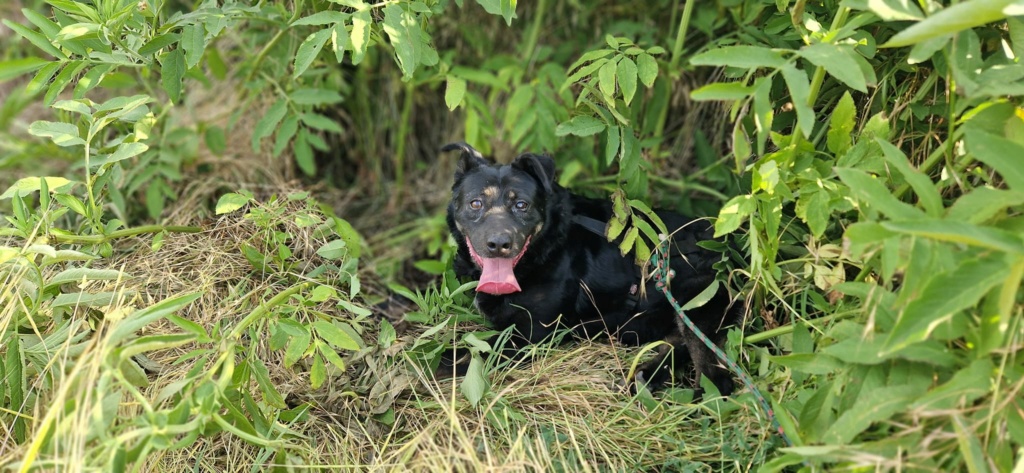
540,166
469,159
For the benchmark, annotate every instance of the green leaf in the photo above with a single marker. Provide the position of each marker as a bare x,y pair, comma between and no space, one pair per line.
231,202
159,42
895,10
285,133
339,41
810,363
606,79
873,406
982,204
66,76
193,41
320,122
748,57
944,295
28,185
800,91
590,56
626,73
612,144
172,70
734,213
844,118
124,151
359,37
309,96
334,335
454,91
62,134
322,18
309,49
815,209
142,317
1002,154
700,299
950,20
961,232
35,38
16,67
91,79
269,121
647,69
474,384
838,62
722,91
508,10
215,139
922,184
581,125
870,190
403,31
304,153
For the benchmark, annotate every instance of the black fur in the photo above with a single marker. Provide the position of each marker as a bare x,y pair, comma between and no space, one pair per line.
571,276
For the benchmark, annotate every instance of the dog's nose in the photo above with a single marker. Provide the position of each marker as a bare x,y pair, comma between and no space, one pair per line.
499,244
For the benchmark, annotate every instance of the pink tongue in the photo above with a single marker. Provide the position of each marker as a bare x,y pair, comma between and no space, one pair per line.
497,277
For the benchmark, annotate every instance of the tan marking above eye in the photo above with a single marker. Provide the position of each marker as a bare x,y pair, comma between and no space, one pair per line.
490,191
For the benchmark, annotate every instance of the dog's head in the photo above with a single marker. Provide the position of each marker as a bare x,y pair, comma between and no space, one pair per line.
497,210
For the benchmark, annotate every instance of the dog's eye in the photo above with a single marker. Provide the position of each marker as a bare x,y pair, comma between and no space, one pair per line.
522,205
476,204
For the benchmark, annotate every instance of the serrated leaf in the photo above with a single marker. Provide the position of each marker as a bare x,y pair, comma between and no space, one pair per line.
285,133
838,62
743,56
844,118
403,31
582,125
626,245
172,70
983,203
961,232
647,69
875,405
454,91
626,73
308,51
62,134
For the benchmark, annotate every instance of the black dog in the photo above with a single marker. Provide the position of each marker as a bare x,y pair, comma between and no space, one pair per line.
542,260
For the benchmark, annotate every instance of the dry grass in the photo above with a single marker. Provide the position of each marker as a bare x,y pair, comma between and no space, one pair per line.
565,411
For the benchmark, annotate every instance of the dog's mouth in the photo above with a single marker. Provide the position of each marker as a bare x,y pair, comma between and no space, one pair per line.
496,275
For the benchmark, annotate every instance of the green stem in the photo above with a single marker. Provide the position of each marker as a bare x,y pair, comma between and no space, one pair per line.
788,328
677,50
534,34
273,41
127,232
819,72
688,186
403,131
264,308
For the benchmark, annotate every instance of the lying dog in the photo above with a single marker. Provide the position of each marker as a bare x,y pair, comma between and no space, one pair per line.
542,260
